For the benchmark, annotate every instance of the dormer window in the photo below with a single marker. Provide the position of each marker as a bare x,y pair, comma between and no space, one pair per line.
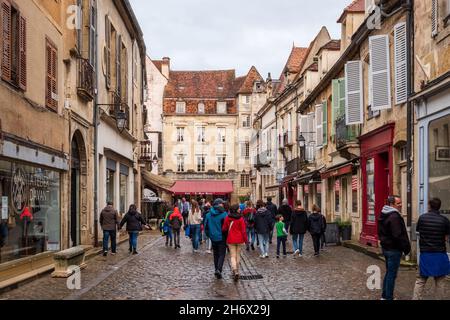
221,107
220,88
181,87
181,107
201,108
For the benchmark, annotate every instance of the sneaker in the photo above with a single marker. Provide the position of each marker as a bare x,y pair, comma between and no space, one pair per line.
236,277
130,250
300,255
296,251
267,255
316,254
218,274
105,253
284,255
113,253
135,252
208,251
262,256
253,247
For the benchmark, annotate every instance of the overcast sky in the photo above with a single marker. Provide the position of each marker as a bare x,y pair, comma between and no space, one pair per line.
233,34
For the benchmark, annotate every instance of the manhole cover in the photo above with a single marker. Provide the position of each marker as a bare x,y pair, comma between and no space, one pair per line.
252,277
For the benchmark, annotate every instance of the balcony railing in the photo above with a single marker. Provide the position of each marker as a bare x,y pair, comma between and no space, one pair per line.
263,159
146,151
288,138
86,79
293,166
345,134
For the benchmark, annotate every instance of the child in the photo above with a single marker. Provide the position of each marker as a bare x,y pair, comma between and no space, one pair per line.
281,235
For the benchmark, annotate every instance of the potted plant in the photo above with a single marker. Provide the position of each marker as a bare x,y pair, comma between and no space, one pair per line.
345,229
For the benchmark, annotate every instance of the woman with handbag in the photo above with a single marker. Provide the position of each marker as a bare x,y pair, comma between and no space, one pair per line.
235,228
134,222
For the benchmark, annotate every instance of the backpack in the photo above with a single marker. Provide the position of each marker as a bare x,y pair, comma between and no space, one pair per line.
176,223
251,218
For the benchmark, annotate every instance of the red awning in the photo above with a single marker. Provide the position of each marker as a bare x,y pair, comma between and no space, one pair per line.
213,187
338,171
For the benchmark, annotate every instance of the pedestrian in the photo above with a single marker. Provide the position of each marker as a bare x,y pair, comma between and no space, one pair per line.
176,220
134,222
286,211
323,239
274,212
213,228
208,242
185,211
109,221
394,241
249,214
299,226
281,235
434,230
235,229
315,228
263,225
195,220
242,205
167,229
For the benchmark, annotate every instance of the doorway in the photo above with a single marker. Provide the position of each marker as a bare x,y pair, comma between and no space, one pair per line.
75,195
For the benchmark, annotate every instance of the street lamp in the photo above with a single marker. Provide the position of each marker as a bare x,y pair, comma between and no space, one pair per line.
121,120
302,146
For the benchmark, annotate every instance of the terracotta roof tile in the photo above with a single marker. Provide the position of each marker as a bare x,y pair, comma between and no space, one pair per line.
158,64
332,45
245,84
296,59
355,7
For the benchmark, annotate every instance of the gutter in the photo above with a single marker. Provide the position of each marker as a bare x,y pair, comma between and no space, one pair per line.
409,106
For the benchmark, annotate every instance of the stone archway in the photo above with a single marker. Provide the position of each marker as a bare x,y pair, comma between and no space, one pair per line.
78,190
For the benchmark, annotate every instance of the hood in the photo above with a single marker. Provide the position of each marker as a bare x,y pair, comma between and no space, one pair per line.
235,215
132,212
217,210
285,206
262,210
386,212
315,216
297,211
109,209
176,211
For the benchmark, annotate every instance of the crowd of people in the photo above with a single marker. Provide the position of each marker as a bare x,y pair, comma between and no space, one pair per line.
224,227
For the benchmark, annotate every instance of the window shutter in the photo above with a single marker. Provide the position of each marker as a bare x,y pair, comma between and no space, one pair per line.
319,126
108,52
334,104
353,93
92,28
342,97
310,135
23,53
125,75
6,41
380,72
118,65
48,87
303,126
401,91
52,81
325,123
434,17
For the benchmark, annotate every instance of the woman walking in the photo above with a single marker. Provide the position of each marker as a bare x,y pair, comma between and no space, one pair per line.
195,220
315,228
249,217
263,225
134,222
176,221
298,228
234,225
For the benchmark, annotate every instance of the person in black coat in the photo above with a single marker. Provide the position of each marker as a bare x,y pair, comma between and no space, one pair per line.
274,212
286,211
315,228
134,222
263,226
298,228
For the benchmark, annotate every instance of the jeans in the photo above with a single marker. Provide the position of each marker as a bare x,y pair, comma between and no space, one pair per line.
235,256
281,241
297,242
219,249
392,264
251,235
133,239
106,235
316,242
169,237
176,237
185,220
264,243
195,233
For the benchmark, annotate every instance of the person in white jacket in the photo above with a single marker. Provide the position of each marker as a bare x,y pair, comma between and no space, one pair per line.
195,220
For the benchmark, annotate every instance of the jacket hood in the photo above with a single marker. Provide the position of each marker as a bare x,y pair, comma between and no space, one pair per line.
299,211
315,216
217,210
132,212
388,210
262,210
109,209
235,215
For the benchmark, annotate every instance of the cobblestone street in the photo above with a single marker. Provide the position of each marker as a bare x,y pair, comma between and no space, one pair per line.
160,272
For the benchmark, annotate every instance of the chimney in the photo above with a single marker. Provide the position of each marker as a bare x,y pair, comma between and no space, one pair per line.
165,67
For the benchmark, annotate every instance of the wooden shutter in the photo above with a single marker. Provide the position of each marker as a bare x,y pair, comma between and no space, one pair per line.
353,93
22,53
380,72
310,136
325,123
92,29
108,51
434,17
51,93
342,97
6,41
319,125
400,59
118,56
334,104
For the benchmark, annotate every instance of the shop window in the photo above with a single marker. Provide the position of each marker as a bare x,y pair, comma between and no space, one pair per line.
370,171
110,185
439,162
355,194
124,170
337,199
306,197
31,213
319,195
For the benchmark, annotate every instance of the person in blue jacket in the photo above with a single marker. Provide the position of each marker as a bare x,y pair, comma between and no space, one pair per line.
213,228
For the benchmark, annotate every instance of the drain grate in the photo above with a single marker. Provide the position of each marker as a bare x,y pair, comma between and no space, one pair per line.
252,277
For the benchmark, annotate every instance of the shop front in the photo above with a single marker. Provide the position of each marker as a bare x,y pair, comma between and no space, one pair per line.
309,189
288,190
377,178
202,189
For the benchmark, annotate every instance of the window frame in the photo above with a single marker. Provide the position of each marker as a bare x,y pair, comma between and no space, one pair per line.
180,134
220,105
180,105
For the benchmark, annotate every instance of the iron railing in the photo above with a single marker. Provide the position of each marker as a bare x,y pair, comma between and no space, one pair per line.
86,79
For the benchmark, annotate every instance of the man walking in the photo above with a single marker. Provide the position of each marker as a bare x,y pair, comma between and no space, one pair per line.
213,228
274,212
433,229
109,221
286,211
185,211
263,225
394,240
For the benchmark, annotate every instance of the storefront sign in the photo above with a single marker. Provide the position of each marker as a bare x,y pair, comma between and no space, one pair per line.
4,208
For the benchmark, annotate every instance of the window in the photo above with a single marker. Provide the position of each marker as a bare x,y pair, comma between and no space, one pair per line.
51,88
221,135
221,107
110,175
14,45
201,163
107,53
181,107
246,99
245,181
221,160
245,150
180,134
402,153
246,122
123,188
92,31
201,134
201,108
355,194
180,163
370,171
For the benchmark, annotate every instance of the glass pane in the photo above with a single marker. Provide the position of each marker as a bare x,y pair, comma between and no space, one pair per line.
110,185
123,193
370,167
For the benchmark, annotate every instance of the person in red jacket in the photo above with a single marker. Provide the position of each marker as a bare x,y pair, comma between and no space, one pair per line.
234,226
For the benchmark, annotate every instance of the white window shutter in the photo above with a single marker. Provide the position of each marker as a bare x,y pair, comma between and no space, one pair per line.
380,72
353,93
434,17
319,126
310,140
303,126
400,57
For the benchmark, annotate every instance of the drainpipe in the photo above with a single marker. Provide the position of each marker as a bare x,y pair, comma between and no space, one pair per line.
96,140
410,118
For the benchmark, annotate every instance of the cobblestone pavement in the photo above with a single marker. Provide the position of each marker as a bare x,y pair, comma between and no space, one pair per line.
162,273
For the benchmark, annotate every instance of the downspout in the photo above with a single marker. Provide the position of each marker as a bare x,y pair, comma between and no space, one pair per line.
96,138
410,118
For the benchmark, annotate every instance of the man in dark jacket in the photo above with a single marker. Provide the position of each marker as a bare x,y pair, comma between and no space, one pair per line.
263,226
299,226
134,222
394,240
274,212
286,211
434,230
109,221
315,228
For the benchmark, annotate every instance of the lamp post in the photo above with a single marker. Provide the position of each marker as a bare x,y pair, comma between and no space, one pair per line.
302,146
121,120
